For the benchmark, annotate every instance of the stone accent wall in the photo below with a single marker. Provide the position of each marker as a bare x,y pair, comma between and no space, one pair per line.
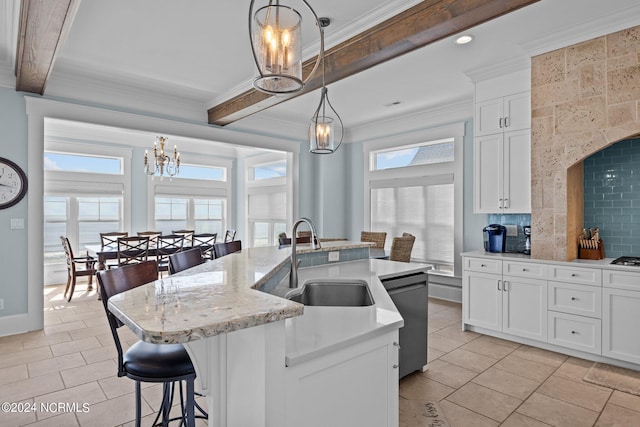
584,98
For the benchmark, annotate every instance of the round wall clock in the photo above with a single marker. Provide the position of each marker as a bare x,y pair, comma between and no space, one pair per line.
13,183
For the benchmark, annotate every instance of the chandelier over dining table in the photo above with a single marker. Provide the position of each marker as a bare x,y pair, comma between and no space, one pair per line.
161,163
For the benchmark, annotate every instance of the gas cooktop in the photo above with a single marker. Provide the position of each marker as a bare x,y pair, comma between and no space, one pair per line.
627,260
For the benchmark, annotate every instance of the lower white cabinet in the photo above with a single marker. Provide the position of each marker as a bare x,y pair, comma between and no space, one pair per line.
621,324
510,304
353,386
577,332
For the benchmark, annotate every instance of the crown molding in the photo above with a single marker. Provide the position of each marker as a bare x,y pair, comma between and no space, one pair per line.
603,25
364,22
498,69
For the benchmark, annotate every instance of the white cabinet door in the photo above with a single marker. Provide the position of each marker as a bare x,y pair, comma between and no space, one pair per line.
354,386
488,160
517,111
517,172
620,320
489,117
525,307
482,300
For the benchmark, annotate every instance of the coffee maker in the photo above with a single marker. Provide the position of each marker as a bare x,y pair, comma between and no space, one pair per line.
495,238
526,229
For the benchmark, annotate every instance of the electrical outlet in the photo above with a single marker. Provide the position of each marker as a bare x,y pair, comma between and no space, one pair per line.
334,256
512,230
1,304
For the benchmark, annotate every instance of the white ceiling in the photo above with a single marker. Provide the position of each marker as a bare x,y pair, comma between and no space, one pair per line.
184,57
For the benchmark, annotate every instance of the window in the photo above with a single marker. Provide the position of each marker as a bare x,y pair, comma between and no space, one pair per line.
268,198
97,215
82,163
426,211
422,154
414,185
203,215
209,173
55,225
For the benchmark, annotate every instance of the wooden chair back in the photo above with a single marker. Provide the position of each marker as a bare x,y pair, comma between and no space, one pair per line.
132,250
304,233
401,248
284,241
115,281
205,242
222,249
168,245
111,238
230,236
188,236
186,259
152,235
377,237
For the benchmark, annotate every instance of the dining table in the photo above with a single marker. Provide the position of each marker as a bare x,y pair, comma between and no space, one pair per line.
103,254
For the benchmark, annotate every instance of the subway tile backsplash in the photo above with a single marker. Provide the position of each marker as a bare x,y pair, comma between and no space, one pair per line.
612,197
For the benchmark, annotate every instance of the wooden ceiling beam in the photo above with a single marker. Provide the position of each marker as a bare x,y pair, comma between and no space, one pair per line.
44,25
425,23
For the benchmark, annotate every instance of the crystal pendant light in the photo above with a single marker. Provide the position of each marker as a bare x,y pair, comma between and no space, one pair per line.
325,132
276,44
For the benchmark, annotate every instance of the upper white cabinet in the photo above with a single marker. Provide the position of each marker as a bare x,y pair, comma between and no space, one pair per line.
502,145
503,114
502,169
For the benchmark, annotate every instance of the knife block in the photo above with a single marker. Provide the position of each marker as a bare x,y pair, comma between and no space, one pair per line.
587,253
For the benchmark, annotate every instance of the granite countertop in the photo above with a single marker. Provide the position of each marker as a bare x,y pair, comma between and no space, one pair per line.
322,330
212,298
589,263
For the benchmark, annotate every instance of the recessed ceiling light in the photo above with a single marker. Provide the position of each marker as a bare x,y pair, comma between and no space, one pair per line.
464,39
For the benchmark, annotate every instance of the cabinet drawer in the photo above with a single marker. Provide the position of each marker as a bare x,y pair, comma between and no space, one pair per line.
585,276
524,269
575,299
483,265
621,279
577,332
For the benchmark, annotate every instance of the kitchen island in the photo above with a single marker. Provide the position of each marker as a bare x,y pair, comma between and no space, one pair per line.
241,339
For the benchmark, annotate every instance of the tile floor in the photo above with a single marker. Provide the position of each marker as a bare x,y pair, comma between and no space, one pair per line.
477,380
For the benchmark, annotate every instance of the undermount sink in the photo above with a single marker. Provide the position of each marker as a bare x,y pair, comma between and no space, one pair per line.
333,293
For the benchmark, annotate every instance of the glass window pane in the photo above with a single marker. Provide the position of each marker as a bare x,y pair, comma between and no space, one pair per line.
430,153
82,163
167,227
260,234
278,227
55,208
89,232
52,233
270,170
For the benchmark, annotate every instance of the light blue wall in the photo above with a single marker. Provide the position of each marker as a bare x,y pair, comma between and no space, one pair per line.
13,247
355,192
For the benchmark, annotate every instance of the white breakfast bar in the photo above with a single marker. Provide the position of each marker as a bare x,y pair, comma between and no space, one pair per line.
258,359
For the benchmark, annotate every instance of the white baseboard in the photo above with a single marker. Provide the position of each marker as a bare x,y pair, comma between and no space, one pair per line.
446,292
12,325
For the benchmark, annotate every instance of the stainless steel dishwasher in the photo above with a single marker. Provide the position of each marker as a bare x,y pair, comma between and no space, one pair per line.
410,295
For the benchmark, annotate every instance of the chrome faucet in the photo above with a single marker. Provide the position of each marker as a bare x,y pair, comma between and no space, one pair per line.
315,244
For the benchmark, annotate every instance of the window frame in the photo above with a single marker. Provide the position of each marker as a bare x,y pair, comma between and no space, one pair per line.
420,172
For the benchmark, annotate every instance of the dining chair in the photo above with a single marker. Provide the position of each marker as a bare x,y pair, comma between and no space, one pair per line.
109,241
205,242
222,249
230,236
76,267
168,245
152,235
185,259
377,237
304,233
401,248
132,250
188,236
168,364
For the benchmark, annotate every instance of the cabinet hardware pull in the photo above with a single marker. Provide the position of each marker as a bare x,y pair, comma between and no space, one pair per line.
483,265
499,285
524,269
506,122
573,298
506,203
573,332
500,204
500,122
573,274
504,286
395,366
396,344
